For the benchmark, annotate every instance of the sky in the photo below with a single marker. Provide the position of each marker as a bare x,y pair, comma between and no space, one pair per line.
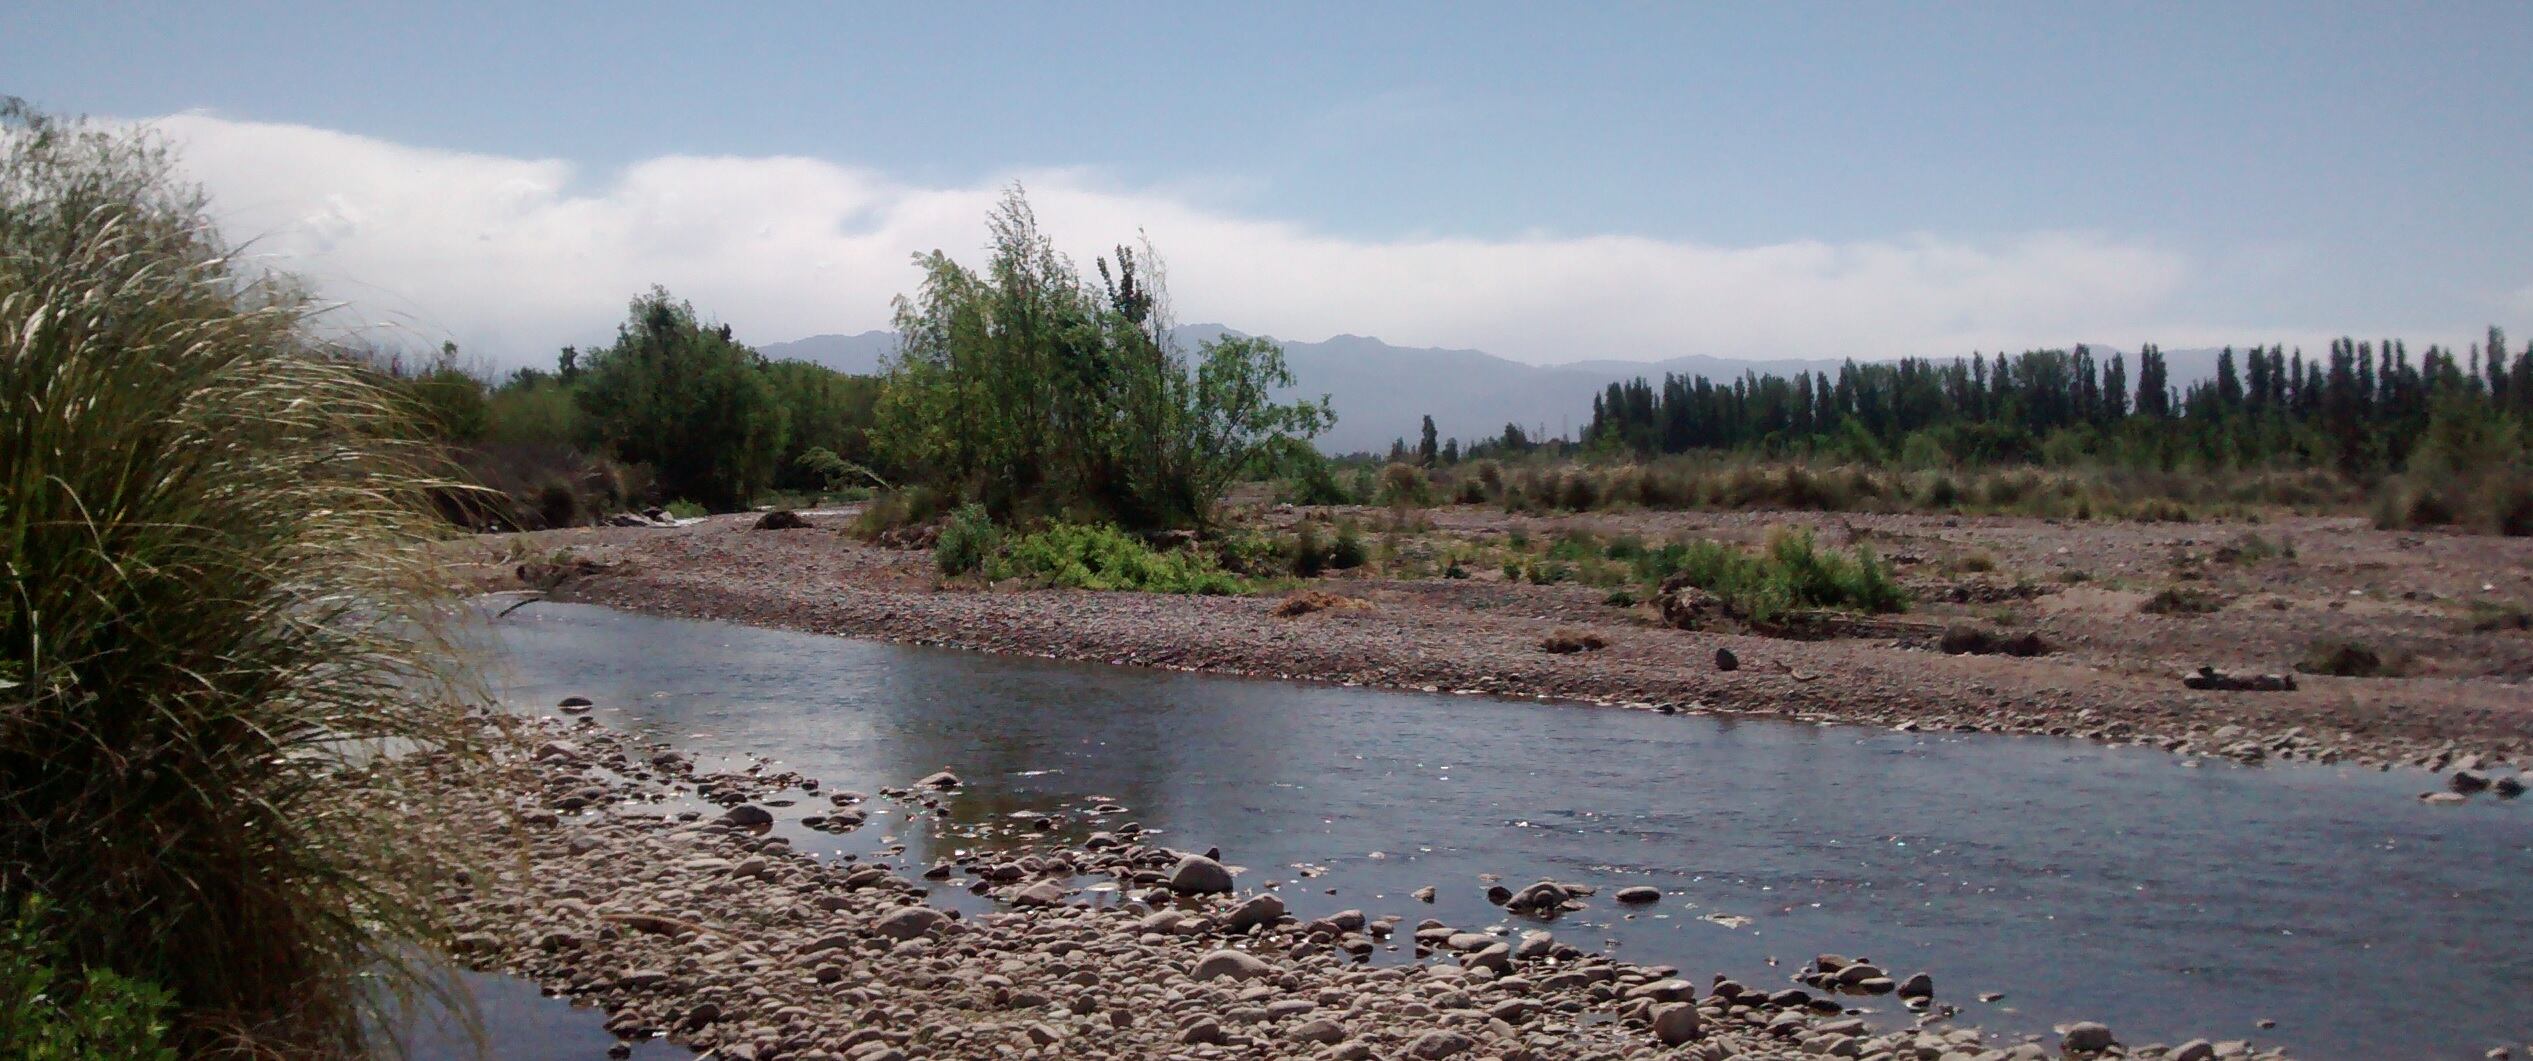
1547,183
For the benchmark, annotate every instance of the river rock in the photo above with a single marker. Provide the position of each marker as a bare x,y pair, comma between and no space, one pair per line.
1434,1045
575,705
2086,1037
2466,781
2508,787
746,816
1258,910
1918,986
908,922
1726,661
1199,875
1639,895
1321,1030
1231,963
1424,894
940,780
1675,1023
2194,1050
1043,893
782,519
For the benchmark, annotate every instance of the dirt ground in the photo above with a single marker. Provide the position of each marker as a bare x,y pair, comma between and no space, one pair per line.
2458,696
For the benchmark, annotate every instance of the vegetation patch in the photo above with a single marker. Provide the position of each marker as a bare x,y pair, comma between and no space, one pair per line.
2495,616
1102,557
1969,639
1792,573
1565,641
1310,601
2184,600
2343,658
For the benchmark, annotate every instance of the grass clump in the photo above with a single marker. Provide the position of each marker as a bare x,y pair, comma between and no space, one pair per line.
1792,573
2488,617
2183,600
1101,557
221,610
2344,658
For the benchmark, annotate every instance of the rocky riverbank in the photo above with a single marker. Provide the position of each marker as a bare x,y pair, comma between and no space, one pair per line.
2116,675
617,873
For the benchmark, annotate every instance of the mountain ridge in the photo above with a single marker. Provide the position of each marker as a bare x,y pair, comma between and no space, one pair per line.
1380,392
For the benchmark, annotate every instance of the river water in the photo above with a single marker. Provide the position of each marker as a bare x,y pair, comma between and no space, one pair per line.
2166,899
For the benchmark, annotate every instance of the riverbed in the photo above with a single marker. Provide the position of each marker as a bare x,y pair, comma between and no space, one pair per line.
2164,896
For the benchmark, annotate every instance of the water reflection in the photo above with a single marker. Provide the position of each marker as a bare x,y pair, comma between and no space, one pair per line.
2084,882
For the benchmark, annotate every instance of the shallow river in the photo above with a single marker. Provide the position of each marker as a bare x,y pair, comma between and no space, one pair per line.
2123,885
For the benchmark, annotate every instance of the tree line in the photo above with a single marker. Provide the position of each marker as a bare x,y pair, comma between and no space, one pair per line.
2363,408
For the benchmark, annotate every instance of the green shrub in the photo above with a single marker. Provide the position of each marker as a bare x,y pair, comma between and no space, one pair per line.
224,605
1791,573
100,1016
1405,486
911,506
684,509
1349,551
1307,553
967,539
1101,557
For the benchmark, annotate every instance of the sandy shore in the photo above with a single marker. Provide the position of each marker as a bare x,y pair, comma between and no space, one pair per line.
612,872
2114,674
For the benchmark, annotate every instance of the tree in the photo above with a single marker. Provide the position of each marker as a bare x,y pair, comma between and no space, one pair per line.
1032,392
1427,450
685,399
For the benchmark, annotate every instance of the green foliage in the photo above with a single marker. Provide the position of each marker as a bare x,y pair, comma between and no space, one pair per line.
1310,479
1034,393
1348,551
688,401
532,409
828,412
100,1016
1792,573
684,509
1404,486
967,539
222,606
1102,557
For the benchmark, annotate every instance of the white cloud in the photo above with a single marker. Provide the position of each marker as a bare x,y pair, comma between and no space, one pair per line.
514,257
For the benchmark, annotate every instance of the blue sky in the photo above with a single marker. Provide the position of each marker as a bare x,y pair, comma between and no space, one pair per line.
2174,173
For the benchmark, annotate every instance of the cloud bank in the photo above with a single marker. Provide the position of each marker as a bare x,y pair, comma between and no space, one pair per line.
514,257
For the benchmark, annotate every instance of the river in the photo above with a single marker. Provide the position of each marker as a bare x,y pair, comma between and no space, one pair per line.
2164,897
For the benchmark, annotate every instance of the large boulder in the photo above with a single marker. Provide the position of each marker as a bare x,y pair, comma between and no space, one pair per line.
1675,1023
1230,963
1258,910
782,519
2086,1037
908,922
1198,875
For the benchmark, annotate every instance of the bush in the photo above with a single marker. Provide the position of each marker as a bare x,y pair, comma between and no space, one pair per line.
1101,557
2183,600
1405,486
966,541
687,400
2343,658
223,605
2493,616
1349,551
911,506
1792,573
100,1016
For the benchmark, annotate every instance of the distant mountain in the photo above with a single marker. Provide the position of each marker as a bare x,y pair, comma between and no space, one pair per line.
1381,392
859,355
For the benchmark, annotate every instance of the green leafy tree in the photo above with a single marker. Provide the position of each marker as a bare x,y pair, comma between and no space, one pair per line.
1032,392
685,399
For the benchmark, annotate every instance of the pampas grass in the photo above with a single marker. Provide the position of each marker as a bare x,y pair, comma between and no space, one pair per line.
220,613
